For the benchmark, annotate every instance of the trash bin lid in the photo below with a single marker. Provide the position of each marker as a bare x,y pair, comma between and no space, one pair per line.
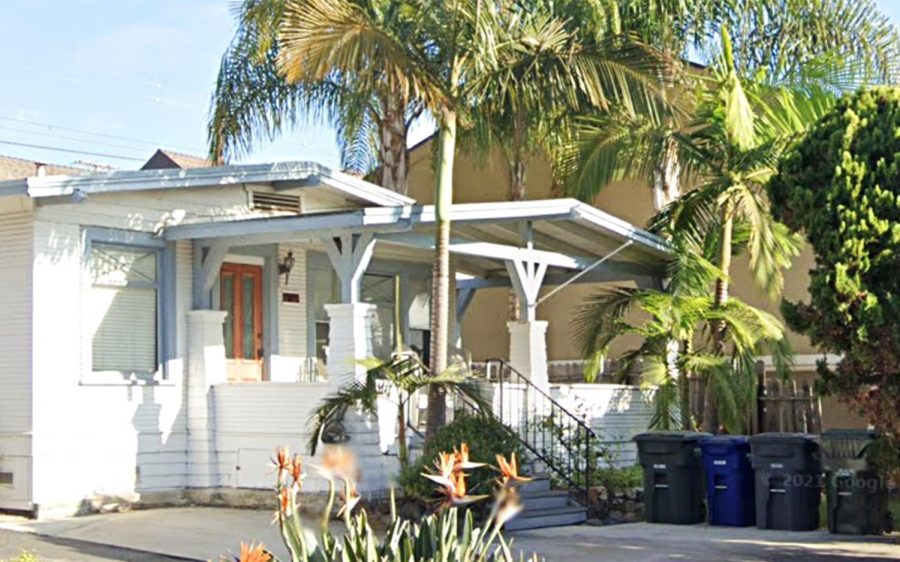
846,443
728,439
672,436
783,438
856,434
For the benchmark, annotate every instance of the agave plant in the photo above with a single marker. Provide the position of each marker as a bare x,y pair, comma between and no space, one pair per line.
443,535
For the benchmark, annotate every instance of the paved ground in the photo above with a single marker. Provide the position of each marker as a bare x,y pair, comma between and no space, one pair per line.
207,533
50,549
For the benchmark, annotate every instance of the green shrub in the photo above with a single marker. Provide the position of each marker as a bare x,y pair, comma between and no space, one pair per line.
840,186
486,438
616,479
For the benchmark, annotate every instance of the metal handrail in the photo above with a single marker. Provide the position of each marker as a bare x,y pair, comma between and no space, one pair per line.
572,466
536,388
540,434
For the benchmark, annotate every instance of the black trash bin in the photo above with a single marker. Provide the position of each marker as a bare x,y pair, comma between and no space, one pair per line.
788,474
857,498
673,476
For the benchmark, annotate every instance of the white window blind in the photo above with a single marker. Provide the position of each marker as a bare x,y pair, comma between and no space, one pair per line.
122,308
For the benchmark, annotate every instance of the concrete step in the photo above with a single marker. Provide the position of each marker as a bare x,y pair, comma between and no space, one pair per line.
538,483
537,501
556,517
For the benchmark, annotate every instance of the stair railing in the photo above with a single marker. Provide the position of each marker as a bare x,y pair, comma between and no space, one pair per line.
562,441
559,439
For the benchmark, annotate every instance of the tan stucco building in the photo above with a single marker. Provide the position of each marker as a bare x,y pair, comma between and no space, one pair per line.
484,331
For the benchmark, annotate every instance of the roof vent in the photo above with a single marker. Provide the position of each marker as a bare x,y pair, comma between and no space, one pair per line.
268,201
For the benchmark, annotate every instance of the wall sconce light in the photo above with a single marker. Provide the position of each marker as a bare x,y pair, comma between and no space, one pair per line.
286,265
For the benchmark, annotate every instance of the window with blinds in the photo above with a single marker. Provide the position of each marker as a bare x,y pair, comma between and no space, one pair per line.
123,308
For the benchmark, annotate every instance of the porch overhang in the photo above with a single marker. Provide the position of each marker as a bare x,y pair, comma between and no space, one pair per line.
565,235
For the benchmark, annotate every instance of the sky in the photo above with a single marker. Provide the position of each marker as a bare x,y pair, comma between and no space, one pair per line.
120,78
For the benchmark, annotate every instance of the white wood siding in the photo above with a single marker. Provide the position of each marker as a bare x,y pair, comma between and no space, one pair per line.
252,420
617,413
111,439
15,358
290,362
99,440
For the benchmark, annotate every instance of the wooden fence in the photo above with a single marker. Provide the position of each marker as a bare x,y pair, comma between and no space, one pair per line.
781,405
788,407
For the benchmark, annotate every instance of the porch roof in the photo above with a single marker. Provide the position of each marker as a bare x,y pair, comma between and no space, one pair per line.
281,176
566,234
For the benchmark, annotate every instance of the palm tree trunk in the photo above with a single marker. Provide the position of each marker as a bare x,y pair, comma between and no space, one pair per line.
394,155
667,176
517,168
440,290
684,390
711,417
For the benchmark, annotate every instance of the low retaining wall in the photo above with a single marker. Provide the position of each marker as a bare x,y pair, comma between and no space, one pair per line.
617,506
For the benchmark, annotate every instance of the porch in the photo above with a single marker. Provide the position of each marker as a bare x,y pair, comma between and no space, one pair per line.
324,290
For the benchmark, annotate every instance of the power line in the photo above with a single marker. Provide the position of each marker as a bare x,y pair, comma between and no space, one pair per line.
86,132
68,138
73,151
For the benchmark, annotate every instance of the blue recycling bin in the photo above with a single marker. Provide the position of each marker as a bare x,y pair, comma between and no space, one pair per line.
729,481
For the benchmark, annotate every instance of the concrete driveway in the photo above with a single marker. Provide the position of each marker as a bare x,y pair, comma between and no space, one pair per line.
207,533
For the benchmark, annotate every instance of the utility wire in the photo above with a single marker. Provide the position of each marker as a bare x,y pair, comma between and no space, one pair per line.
86,132
72,151
68,138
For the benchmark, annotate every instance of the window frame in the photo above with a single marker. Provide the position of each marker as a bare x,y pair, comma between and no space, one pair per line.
165,313
378,267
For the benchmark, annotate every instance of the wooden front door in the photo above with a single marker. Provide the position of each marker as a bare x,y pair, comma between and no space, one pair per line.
241,297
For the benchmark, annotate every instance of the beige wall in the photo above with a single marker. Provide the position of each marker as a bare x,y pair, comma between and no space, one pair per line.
484,328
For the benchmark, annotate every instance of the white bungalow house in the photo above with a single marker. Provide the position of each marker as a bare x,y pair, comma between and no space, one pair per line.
165,329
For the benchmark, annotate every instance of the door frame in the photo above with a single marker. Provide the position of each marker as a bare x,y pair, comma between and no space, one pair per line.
267,256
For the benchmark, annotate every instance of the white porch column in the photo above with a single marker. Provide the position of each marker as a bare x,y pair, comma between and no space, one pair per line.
528,337
528,351
206,367
348,342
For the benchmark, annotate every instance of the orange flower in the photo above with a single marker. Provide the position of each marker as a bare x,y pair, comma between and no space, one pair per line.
462,459
445,464
250,553
339,462
285,504
451,479
509,470
282,461
296,469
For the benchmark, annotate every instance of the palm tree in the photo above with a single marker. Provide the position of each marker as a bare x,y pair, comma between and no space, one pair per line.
526,106
253,100
682,312
407,375
429,54
437,54
721,139
831,44
733,150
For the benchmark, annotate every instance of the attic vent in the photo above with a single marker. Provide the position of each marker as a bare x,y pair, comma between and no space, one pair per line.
268,201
